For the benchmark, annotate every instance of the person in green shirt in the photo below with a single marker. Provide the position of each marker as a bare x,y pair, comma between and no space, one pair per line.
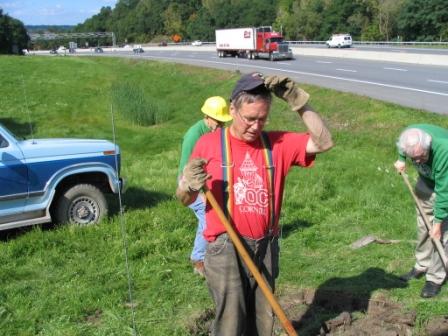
427,147
216,113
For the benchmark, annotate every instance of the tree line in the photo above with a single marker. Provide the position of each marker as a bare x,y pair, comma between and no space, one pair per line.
142,21
372,20
13,35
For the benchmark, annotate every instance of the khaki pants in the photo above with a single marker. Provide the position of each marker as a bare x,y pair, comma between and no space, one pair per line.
241,307
427,257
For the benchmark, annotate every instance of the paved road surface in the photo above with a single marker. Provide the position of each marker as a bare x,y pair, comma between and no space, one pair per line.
405,79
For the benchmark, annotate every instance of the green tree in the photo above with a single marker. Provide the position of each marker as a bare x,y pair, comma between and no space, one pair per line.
305,21
201,26
97,23
388,11
173,20
423,20
13,35
344,16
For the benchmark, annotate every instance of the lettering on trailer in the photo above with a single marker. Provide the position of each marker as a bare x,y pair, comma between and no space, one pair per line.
247,34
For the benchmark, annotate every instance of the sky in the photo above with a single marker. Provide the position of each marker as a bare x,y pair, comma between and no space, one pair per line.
53,12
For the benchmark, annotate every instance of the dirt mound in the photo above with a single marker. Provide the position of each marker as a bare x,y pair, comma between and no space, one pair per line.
334,313
345,314
437,326
200,325
350,306
331,313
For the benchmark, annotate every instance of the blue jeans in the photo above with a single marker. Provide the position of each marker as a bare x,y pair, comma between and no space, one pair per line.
200,243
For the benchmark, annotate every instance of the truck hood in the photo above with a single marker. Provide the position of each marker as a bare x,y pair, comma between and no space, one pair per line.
62,147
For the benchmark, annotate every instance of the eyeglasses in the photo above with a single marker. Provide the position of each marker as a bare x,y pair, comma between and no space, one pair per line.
252,121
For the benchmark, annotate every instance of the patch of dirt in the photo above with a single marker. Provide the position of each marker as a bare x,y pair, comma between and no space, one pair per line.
95,317
353,306
335,312
200,325
437,326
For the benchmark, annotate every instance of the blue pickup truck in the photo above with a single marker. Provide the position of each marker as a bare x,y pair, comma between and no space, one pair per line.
59,180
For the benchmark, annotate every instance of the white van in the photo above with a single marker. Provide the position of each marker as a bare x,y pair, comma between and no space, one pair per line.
339,41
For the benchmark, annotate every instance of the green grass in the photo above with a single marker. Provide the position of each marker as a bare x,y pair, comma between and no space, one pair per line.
72,281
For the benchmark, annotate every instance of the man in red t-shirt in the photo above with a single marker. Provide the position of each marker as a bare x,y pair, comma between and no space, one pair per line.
245,169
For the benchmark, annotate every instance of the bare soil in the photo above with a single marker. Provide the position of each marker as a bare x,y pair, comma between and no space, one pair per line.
316,312
335,312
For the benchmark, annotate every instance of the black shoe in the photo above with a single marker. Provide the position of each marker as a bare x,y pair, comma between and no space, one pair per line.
430,290
412,274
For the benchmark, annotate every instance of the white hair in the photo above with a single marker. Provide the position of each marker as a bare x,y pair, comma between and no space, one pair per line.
411,139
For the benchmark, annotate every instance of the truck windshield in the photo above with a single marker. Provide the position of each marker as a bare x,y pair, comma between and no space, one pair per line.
276,39
7,131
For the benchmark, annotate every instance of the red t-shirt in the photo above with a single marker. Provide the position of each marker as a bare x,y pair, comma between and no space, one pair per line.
250,212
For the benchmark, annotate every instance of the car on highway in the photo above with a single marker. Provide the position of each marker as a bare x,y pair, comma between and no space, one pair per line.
53,51
339,41
196,43
99,50
138,50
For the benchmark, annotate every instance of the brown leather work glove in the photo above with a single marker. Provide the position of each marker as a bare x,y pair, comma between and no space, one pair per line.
286,89
194,176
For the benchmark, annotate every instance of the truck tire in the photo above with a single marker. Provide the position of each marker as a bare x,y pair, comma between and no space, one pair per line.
82,204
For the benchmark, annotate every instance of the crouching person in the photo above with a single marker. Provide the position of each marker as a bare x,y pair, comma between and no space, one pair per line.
427,148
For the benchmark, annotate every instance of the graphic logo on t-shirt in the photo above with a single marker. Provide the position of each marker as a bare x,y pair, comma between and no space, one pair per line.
251,196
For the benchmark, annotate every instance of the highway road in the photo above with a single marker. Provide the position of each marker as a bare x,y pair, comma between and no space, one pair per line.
414,85
422,86
387,48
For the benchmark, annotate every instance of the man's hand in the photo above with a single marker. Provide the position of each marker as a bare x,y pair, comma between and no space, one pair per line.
194,176
286,89
400,166
436,231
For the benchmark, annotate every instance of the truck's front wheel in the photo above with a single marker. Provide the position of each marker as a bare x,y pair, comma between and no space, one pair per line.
82,204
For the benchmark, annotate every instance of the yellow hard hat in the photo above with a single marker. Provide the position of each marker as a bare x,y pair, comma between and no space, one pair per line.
216,108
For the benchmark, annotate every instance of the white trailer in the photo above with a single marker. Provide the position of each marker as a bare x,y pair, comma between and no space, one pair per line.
237,39
251,42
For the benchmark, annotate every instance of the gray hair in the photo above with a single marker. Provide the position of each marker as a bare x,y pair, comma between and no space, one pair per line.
249,97
411,139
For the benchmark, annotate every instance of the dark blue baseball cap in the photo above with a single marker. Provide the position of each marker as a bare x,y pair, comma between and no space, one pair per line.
247,83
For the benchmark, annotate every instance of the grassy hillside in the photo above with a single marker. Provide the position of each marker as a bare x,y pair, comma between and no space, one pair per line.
73,281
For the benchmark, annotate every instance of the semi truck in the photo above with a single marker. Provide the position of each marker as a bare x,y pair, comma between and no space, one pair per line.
251,42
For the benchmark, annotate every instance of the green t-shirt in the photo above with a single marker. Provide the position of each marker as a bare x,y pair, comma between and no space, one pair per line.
435,171
193,134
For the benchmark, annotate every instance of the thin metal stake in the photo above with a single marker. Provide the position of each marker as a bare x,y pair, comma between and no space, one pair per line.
27,108
123,229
